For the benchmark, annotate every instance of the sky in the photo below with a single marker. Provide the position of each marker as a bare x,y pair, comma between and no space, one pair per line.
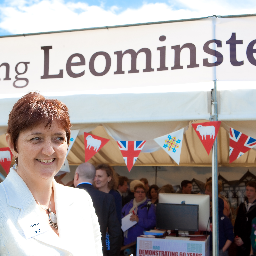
32,16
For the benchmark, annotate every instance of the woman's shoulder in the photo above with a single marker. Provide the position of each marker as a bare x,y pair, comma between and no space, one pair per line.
114,193
129,204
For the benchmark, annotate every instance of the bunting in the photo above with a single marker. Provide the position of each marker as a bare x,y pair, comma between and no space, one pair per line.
207,133
130,151
239,144
171,144
6,158
73,136
92,145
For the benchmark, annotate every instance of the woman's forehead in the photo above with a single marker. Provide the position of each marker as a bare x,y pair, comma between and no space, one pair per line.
55,127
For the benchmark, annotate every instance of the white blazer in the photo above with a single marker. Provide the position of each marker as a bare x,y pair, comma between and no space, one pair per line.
23,230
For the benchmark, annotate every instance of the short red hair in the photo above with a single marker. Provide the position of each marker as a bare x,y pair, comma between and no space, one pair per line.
34,109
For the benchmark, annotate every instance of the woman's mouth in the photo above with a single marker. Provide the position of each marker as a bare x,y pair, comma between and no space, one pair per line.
46,161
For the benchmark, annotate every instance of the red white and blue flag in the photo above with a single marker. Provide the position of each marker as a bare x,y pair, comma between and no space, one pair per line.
130,151
239,144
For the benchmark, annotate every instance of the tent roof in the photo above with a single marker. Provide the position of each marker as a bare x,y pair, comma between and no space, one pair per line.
145,116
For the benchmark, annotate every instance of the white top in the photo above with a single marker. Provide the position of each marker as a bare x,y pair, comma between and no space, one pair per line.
24,232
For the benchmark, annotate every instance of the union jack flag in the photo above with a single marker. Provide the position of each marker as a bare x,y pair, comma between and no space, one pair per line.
239,144
130,151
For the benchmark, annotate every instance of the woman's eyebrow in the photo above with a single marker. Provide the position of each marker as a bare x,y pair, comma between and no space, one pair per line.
35,133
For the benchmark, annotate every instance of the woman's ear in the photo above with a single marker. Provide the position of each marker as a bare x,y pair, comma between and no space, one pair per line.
10,144
109,178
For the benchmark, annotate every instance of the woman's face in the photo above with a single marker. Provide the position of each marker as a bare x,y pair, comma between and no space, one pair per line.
41,151
208,191
101,179
153,193
139,194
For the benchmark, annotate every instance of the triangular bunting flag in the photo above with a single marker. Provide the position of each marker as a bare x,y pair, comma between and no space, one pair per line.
207,133
5,158
92,144
239,144
171,144
64,168
73,136
130,151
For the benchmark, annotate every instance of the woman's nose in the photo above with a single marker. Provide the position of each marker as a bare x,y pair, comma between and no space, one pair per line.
48,148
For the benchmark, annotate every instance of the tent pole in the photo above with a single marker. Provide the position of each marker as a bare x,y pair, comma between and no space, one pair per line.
156,176
215,226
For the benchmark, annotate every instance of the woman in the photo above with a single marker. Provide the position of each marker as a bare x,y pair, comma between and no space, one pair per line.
106,181
38,216
153,194
143,212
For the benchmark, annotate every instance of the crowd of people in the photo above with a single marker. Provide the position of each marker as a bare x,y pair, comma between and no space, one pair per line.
39,216
141,201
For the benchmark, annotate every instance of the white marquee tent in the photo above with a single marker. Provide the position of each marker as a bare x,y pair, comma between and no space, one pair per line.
140,82
134,83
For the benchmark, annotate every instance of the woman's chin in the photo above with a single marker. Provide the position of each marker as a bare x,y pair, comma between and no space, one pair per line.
48,174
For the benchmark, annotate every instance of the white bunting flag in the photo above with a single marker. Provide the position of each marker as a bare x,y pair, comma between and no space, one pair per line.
73,136
172,143
64,168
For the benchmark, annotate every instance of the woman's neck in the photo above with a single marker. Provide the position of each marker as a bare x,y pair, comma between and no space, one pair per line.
153,200
104,189
41,189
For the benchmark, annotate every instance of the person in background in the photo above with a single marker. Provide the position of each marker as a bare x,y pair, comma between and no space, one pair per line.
38,216
143,212
253,238
243,224
208,191
153,194
122,187
105,209
145,182
168,188
186,187
226,235
106,180
130,195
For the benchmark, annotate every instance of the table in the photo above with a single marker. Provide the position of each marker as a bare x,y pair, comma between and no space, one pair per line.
196,246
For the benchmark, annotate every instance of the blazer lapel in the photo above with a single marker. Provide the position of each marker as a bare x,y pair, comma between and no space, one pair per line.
30,218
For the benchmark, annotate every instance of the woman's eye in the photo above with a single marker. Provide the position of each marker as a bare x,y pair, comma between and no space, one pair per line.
36,139
59,139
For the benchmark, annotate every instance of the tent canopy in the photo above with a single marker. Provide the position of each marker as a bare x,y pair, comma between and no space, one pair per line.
137,87
172,111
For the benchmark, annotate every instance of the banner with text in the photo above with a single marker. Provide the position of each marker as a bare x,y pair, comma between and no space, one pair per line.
129,56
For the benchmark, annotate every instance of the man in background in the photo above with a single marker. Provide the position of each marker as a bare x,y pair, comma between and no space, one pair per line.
186,187
122,187
105,209
243,224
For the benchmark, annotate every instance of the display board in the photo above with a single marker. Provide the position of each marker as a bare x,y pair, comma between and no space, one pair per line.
168,247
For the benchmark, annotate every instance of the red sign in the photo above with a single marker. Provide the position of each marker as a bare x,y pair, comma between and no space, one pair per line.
5,158
207,133
92,144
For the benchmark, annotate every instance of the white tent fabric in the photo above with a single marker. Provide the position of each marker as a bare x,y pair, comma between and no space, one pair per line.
128,89
110,116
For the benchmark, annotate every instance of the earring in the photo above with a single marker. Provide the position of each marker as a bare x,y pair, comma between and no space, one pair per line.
15,166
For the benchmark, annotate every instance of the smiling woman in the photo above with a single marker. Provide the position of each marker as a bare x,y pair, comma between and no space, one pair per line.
36,212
